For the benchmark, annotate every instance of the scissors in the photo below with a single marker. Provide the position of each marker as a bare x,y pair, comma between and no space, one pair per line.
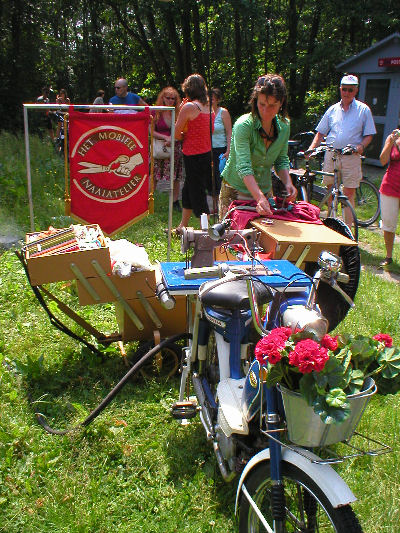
93,168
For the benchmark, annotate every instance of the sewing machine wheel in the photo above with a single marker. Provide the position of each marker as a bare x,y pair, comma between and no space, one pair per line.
164,364
332,304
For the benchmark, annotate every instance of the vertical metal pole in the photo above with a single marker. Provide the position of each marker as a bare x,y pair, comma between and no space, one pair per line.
171,182
28,168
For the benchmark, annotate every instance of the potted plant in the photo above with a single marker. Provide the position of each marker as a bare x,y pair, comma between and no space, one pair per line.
331,379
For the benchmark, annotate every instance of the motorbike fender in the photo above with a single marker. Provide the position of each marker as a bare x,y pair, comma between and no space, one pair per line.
335,489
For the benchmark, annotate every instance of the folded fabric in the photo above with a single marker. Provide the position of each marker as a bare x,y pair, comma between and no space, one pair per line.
295,212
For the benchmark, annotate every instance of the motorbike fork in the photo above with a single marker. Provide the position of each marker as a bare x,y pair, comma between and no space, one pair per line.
277,490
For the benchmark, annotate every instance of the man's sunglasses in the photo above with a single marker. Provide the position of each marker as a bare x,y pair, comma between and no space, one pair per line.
348,89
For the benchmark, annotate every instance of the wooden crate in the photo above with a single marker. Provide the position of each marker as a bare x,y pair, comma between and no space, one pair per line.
50,268
288,240
173,320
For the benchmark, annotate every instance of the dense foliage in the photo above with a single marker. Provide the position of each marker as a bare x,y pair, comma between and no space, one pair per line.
83,46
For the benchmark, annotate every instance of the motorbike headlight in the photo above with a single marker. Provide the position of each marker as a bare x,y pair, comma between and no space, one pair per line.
299,317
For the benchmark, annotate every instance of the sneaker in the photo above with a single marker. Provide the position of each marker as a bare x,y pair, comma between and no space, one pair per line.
177,206
386,262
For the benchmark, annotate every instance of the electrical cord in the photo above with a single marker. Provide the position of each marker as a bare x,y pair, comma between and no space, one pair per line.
118,387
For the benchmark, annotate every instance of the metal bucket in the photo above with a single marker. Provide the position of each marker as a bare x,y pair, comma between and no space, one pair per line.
306,428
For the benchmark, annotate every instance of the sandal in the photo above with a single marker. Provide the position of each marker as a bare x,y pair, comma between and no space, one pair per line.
386,262
175,232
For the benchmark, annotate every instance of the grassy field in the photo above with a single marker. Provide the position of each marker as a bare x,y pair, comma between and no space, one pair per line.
134,469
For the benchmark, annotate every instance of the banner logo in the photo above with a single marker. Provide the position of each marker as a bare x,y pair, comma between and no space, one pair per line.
123,165
109,166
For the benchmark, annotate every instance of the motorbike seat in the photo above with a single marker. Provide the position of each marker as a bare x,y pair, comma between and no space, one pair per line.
233,295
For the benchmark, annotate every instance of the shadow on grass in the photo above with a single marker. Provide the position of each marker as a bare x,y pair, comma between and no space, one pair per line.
77,385
373,259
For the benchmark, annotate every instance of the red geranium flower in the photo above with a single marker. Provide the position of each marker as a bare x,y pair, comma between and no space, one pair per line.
329,342
269,347
308,355
383,337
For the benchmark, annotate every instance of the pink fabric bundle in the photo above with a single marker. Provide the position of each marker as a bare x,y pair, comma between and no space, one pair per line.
300,212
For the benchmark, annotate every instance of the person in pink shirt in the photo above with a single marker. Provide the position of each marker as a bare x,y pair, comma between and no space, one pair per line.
194,127
390,192
168,96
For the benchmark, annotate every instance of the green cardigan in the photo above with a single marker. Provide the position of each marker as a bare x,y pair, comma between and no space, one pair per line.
248,154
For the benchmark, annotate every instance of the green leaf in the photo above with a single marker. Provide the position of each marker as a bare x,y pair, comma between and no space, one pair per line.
389,359
274,375
308,388
336,398
335,372
331,415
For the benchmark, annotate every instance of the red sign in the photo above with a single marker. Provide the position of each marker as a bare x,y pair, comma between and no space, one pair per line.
109,182
389,62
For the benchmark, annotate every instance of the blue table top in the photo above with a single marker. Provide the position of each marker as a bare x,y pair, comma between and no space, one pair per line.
281,274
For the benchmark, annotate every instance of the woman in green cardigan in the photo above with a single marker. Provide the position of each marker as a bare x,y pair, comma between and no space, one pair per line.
259,141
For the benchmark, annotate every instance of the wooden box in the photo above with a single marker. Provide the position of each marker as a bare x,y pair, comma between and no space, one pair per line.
50,268
298,241
143,281
173,320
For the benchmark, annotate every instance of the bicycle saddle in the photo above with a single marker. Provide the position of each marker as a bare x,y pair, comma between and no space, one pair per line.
233,295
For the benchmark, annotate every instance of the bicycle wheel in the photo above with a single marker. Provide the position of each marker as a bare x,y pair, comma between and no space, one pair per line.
164,364
339,213
367,203
308,510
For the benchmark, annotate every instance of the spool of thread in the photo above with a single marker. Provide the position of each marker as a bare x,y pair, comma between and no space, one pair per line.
204,221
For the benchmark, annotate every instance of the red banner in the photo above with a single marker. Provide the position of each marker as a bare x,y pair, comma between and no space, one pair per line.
109,167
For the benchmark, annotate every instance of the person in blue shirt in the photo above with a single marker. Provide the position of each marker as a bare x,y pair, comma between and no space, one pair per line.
124,97
348,122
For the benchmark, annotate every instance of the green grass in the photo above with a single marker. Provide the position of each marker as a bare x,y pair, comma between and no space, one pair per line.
134,469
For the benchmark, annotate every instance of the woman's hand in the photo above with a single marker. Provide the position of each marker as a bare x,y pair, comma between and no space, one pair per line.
291,191
263,207
394,135
387,148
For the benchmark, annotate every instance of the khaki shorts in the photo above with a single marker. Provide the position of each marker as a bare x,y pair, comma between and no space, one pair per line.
349,167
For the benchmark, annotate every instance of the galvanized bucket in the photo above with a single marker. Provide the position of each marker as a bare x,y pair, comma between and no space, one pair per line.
306,428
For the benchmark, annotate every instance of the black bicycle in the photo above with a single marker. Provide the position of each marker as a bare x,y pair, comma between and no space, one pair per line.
332,202
367,203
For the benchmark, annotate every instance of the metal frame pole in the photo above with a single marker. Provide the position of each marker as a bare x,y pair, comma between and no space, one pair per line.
28,168
65,107
171,182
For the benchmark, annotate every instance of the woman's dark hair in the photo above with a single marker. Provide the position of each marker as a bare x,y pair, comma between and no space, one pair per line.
64,92
217,93
195,88
270,85
100,92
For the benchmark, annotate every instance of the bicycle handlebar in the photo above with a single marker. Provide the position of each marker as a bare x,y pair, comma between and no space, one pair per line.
347,150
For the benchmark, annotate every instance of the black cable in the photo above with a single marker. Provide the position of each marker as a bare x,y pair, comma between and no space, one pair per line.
56,322
111,395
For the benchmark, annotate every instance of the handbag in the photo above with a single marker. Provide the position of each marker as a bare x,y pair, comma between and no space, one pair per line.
160,150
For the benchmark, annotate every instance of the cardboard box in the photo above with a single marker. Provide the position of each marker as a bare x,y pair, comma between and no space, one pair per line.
173,320
144,281
50,268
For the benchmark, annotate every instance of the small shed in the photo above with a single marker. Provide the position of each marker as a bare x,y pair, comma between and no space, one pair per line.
378,69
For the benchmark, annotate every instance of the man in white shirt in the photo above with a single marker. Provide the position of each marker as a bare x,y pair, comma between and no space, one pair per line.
349,122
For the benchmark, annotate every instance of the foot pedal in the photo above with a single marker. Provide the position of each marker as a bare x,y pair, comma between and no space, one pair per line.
186,409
